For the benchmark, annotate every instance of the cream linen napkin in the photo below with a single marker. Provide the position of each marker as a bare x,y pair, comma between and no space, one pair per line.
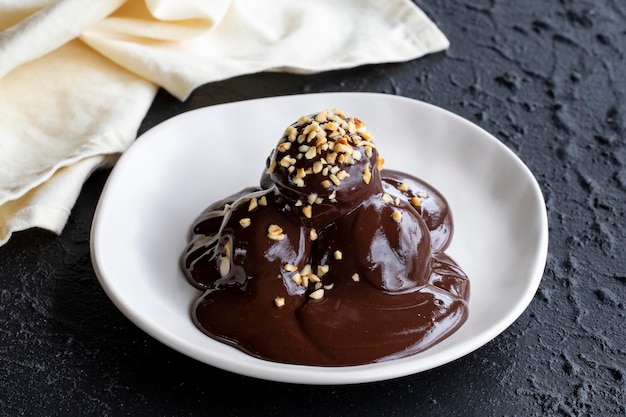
77,77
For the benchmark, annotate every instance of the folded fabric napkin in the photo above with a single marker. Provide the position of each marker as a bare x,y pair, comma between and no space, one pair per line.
77,77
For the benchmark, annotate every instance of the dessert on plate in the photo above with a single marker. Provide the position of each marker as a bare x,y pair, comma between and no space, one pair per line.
331,260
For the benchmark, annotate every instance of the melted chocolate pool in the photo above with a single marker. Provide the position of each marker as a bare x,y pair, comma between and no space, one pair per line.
331,261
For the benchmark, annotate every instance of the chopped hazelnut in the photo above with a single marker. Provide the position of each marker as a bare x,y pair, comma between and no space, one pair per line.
283,147
367,175
317,294
297,278
253,204
275,232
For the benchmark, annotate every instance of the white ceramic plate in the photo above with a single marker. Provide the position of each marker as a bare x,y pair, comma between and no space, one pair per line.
179,167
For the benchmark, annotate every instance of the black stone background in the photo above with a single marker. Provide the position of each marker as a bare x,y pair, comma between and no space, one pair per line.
548,78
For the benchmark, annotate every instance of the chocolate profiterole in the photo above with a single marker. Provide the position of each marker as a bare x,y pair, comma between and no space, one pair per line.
331,260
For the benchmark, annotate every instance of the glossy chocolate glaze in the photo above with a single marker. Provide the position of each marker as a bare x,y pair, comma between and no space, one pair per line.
319,267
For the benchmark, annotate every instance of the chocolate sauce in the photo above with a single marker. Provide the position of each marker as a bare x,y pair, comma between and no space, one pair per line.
331,260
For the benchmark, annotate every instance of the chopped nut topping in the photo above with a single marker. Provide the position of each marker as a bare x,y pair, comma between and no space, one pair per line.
387,198
317,167
306,270
380,162
416,201
290,268
422,194
332,126
321,117
275,232
279,301
403,187
351,127
300,173
287,161
367,175
342,175
325,144
322,270
313,234
317,294
283,147
321,139
307,211
311,127
338,255
253,204
297,278
342,148
274,229
291,133
355,277
263,201
245,222
397,216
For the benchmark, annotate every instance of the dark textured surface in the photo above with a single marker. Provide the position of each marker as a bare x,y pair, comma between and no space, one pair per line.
547,78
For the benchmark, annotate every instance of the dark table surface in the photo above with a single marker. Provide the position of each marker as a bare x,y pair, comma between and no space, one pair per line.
548,78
